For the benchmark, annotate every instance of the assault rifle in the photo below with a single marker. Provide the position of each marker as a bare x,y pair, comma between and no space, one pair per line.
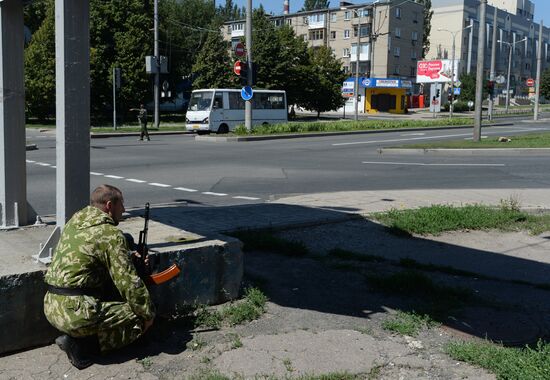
143,266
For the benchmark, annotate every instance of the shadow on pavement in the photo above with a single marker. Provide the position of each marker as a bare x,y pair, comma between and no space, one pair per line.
504,306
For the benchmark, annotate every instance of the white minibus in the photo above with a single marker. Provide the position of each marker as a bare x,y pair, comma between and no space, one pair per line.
221,110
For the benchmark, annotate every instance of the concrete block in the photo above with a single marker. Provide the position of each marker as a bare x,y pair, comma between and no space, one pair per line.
211,273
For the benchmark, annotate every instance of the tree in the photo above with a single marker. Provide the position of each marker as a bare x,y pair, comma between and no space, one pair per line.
310,5
280,57
231,11
545,84
213,67
40,69
325,81
428,13
468,87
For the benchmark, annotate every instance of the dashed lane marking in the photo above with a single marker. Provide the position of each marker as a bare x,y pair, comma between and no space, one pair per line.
162,185
215,194
158,184
424,164
246,198
185,189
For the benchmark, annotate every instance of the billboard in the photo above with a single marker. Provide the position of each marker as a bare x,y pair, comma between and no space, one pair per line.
436,71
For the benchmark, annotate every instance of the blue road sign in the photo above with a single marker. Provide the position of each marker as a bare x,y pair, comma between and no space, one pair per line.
247,93
457,90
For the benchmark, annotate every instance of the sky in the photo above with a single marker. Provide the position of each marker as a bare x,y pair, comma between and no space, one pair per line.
542,7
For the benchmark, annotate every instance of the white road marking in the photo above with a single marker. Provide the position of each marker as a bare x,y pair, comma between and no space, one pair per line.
397,140
114,176
135,180
246,198
216,194
185,189
30,161
43,164
471,138
423,164
158,184
53,167
414,134
96,173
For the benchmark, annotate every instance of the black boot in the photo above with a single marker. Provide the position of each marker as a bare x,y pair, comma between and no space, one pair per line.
80,351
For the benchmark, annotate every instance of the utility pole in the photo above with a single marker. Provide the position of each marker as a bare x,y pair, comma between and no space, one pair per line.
248,36
470,46
479,71
157,61
114,98
356,86
539,68
493,63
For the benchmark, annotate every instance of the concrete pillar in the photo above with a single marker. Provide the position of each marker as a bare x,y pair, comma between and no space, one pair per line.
13,171
72,51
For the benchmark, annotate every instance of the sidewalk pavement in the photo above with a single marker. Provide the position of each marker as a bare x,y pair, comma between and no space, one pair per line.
291,339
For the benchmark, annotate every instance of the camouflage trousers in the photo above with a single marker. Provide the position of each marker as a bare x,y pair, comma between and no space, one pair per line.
114,323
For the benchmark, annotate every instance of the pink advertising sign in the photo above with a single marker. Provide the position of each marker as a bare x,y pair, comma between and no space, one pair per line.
436,71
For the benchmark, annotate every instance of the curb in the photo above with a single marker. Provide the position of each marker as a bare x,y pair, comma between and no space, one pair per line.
470,152
338,133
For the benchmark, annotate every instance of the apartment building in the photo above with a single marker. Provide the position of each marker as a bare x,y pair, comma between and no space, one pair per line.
384,36
514,23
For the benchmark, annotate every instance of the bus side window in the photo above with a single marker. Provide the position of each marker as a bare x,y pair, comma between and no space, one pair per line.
218,101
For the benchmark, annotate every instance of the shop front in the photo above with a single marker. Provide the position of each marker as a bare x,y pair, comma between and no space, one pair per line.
384,94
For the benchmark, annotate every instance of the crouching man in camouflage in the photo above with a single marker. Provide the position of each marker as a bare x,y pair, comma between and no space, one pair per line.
93,256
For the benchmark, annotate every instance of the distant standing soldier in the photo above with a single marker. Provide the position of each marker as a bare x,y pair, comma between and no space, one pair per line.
95,295
142,118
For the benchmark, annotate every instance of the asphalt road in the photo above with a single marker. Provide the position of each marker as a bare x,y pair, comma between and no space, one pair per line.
177,168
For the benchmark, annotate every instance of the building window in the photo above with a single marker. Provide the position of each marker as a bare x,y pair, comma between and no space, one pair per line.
398,12
413,54
333,17
414,36
320,17
345,52
397,32
289,21
332,35
304,20
333,52
346,33
415,17
304,36
347,15
316,35
413,71
229,29
346,69
397,51
396,70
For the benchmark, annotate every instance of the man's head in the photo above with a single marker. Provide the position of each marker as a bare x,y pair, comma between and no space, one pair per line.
108,199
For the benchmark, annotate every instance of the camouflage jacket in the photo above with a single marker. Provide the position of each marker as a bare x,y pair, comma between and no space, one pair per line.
91,253
142,115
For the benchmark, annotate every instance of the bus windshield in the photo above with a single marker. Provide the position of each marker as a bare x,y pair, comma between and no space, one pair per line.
200,101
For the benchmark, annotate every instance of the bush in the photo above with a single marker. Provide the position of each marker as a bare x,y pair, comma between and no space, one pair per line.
459,106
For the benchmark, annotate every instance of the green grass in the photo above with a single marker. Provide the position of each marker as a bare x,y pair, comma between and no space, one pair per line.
408,323
535,140
346,125
505,363
436,219
251,307
266,241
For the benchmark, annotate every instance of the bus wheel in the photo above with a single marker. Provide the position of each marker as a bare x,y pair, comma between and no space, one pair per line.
223,129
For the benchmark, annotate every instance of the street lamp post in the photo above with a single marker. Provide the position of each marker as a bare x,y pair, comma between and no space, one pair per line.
510,46
453,66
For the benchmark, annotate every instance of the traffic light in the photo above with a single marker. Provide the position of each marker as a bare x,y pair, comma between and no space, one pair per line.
491,88
243,75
